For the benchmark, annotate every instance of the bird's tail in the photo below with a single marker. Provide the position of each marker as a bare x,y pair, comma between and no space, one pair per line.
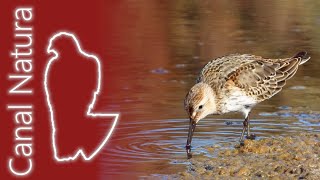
303,55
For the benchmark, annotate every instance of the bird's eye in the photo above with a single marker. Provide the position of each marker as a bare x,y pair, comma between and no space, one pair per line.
201,106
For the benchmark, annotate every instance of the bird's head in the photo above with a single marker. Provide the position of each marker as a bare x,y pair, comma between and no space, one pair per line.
199,102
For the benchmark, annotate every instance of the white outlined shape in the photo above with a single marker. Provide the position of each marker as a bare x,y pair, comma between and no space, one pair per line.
80,151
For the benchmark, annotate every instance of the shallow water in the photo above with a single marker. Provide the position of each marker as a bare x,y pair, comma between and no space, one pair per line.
161,47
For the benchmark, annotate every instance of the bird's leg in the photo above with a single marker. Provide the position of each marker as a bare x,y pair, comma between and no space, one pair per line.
249,135
248,125
248,128
245,126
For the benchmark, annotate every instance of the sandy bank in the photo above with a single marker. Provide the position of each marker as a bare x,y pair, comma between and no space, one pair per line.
290,157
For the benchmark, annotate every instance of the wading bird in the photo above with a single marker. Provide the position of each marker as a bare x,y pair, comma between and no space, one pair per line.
236,83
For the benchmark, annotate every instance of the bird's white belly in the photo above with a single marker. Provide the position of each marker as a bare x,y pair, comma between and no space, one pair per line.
238,101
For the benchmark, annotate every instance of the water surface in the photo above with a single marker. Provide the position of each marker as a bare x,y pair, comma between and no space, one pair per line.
161,47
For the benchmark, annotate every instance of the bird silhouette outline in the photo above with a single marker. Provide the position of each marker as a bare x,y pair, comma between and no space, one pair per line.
72,82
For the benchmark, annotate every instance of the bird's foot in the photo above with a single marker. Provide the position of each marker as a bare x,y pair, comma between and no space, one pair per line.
251,136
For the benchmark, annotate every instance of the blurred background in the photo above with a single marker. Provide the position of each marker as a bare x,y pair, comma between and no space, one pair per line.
155,49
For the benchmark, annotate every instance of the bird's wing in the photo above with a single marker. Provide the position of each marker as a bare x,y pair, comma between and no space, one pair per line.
264,78
215,72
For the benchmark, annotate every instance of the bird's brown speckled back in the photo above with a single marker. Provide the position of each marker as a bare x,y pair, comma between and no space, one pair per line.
258,77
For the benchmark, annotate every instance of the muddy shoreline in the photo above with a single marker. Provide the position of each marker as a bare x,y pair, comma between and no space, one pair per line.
288,157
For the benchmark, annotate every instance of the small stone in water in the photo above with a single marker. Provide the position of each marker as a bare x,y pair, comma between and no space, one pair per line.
298,87
160,71
284,107
180,65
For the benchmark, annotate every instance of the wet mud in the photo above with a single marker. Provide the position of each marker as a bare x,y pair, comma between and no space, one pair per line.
288,157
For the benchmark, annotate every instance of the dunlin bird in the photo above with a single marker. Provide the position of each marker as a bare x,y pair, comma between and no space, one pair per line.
236,83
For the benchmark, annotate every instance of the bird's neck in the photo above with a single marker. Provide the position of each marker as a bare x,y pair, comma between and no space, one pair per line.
213,100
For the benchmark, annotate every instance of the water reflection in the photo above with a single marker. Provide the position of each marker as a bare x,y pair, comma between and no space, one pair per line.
156,49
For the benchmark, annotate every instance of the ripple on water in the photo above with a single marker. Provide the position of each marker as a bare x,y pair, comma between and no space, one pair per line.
156,140
148,143
159,138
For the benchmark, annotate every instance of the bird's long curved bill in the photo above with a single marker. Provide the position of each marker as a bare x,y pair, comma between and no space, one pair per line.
192,127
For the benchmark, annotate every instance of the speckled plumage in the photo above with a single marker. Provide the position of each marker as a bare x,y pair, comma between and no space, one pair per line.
257,77
236,83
